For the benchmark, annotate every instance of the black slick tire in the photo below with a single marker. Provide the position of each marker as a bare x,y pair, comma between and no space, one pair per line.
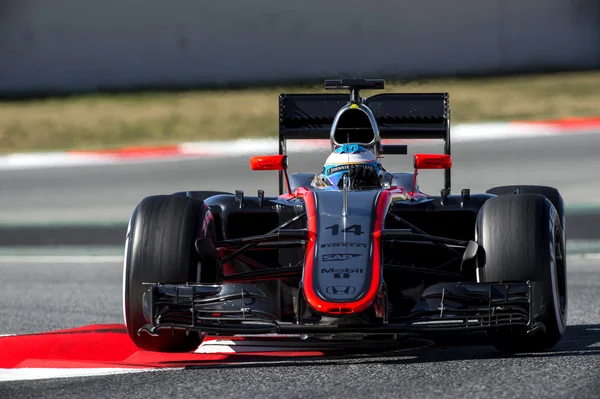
524,240
160,247
549,192
200,195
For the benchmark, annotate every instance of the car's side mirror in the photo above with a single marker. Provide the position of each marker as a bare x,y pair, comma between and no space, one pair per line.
269,162
272,162
432,161
429,161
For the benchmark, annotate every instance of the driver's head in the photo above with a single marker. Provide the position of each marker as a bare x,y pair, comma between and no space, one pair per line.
353,160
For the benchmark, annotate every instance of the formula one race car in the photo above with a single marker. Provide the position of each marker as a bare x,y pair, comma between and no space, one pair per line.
366,254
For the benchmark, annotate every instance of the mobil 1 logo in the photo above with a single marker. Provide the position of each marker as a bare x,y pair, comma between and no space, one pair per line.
342,272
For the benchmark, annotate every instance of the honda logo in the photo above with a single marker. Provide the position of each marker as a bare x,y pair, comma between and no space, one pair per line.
341,289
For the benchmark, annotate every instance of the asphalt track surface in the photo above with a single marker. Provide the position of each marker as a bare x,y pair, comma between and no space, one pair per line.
42,296
109,193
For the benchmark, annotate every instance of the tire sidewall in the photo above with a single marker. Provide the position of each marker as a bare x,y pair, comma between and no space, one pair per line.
556,237
127,268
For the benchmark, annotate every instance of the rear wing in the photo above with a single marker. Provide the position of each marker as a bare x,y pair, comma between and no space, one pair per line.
399,116
409,116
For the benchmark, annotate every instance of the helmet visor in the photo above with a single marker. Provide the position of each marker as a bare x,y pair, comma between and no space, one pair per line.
335,173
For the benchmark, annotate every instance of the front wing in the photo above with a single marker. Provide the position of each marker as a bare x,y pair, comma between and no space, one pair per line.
445,307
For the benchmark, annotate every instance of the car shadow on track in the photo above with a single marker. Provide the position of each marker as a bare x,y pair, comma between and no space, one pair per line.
579,340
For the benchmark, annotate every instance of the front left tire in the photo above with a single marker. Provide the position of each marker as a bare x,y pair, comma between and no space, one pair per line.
523,239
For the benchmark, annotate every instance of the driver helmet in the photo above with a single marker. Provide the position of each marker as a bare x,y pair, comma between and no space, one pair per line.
339,161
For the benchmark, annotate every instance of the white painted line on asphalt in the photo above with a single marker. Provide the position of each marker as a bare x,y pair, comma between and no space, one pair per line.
214,349
257,345
22,374
591,256
59,259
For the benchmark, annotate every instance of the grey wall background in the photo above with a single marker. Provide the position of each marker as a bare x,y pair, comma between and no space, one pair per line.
73,45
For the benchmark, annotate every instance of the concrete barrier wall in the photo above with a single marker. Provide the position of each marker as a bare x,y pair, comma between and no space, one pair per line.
73,45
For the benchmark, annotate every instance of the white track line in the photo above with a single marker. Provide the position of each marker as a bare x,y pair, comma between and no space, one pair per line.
589,256
24,374
59,259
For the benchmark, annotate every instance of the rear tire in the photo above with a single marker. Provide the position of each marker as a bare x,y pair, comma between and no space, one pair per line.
159,247
524,240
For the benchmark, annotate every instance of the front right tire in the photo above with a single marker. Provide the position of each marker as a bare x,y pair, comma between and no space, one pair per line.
160,248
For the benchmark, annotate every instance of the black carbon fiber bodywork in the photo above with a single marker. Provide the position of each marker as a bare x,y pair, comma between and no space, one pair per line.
438,294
